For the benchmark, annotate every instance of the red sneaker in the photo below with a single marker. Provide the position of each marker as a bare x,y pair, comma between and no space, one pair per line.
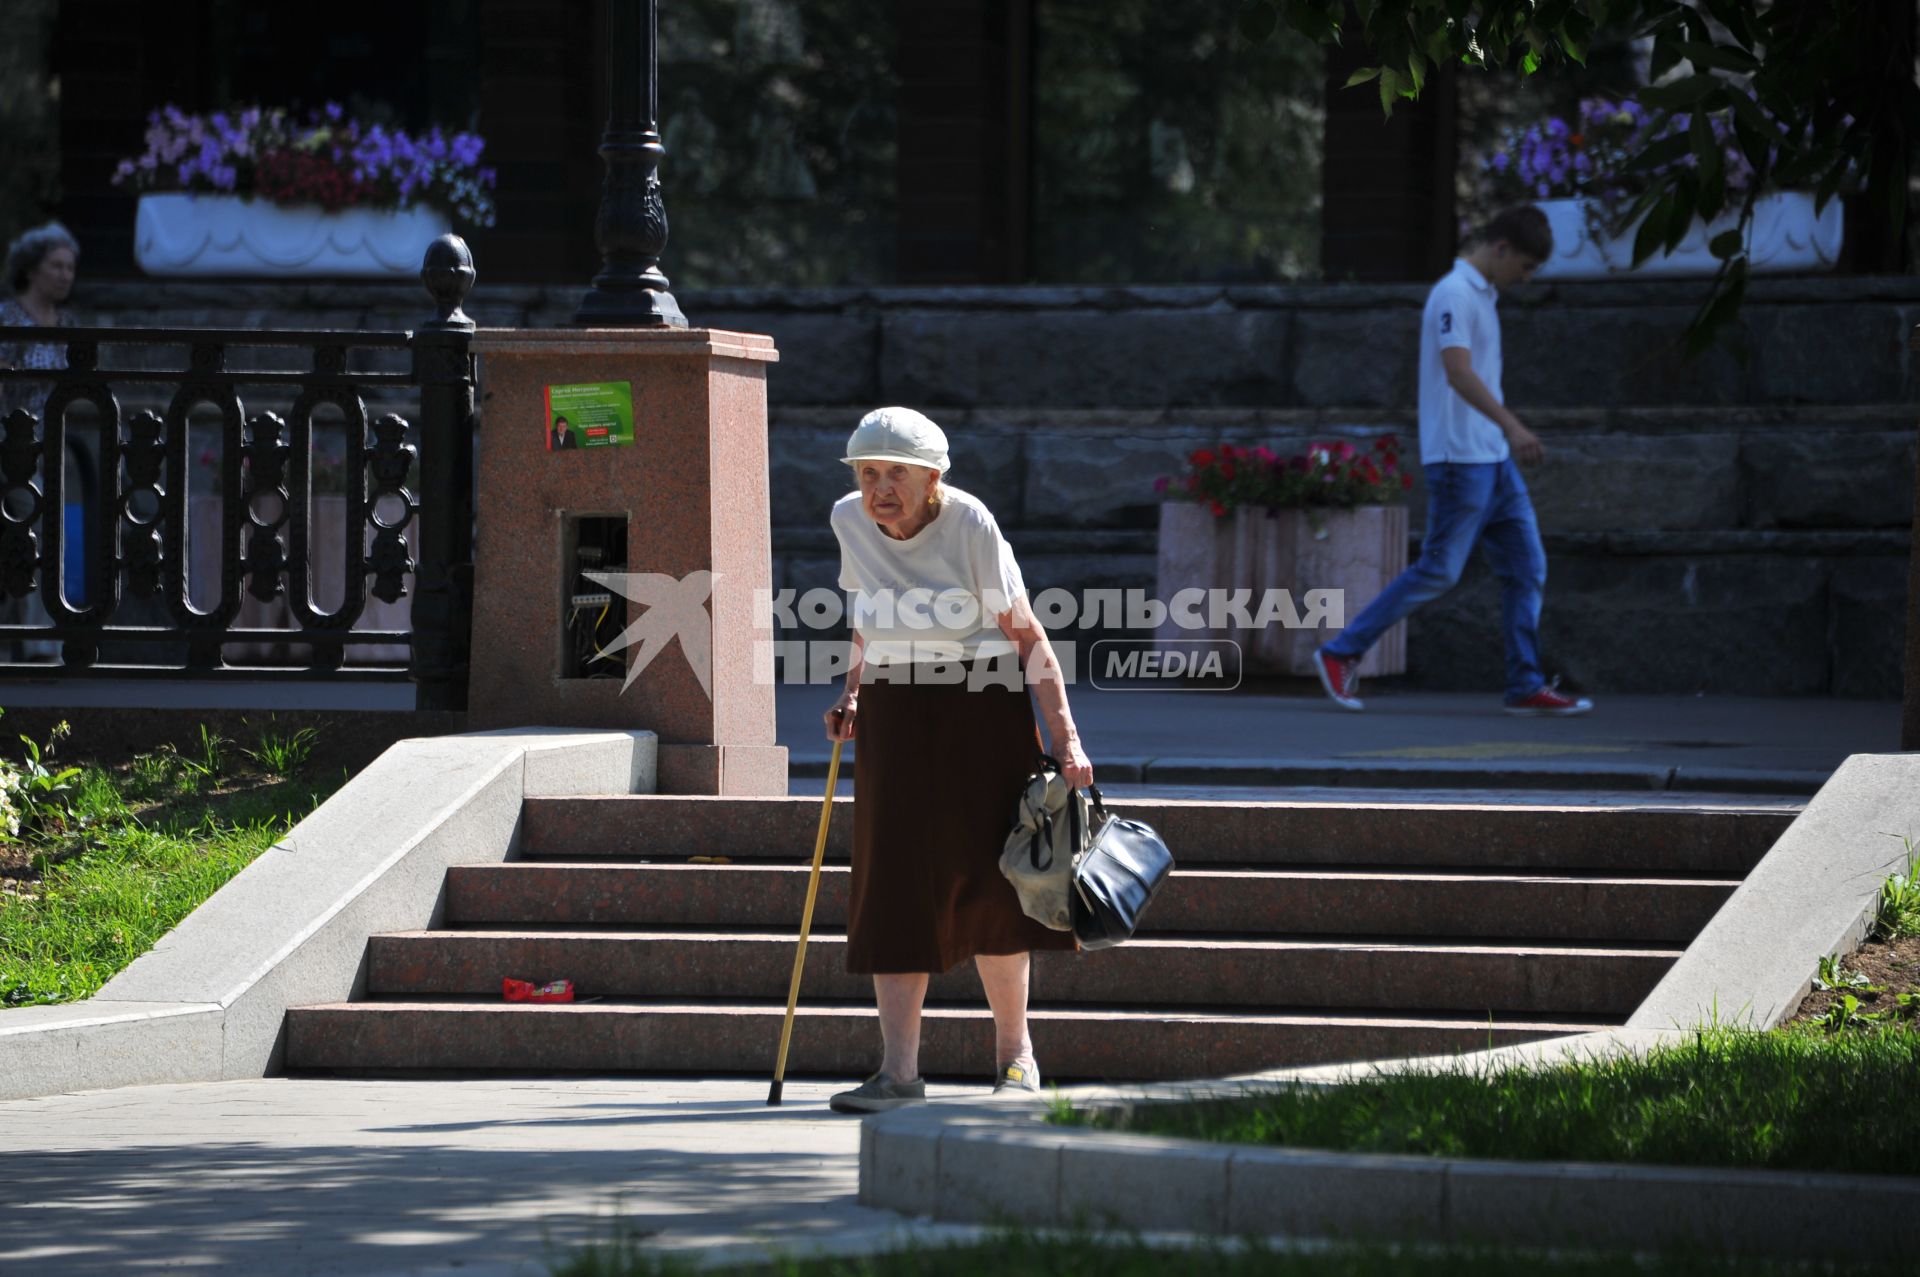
1549,703
1337,676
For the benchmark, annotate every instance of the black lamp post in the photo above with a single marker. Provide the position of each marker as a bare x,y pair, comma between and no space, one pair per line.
631,231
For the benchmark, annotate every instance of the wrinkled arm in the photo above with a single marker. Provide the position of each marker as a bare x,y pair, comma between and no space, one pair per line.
1049,685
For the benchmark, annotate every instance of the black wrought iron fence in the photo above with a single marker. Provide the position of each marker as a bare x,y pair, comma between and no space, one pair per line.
166,561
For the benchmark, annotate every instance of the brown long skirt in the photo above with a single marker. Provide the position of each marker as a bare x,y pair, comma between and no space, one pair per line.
937,775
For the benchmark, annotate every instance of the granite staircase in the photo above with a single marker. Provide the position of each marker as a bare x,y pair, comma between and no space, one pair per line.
1291,933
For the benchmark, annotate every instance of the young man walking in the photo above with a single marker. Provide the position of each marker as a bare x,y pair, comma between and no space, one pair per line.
1469,444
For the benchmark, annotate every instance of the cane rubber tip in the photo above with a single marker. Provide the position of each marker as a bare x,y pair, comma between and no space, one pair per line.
773,1096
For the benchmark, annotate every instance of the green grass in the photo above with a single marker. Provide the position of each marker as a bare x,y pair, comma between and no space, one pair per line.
1792,1099
1896,913
1023,1255
139,849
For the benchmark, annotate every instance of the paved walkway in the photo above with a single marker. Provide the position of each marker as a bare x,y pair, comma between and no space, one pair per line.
487,1177
1443,740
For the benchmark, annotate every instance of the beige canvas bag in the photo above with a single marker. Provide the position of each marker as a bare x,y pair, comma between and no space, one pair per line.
1050,831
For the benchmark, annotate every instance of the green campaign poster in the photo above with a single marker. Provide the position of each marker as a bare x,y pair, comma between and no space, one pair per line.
592,415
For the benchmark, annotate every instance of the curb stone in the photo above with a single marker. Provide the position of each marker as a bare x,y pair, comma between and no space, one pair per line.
964,1164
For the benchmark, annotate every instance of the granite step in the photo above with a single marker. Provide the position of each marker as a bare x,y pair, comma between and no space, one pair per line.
1292,933
1073,1044
1361,973
1383,901
1627,841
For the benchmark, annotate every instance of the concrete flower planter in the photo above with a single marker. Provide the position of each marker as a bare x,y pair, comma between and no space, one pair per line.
1353,553
180,234
1786,235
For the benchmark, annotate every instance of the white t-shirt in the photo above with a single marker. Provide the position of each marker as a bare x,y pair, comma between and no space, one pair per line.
935,595
1460,312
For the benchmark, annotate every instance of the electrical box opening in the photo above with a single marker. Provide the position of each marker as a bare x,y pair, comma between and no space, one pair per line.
595,614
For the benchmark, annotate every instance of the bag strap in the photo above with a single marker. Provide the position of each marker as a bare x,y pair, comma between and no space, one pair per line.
1042,836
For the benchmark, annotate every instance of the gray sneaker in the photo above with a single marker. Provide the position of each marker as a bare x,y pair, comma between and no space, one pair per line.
1020,1077
878,1094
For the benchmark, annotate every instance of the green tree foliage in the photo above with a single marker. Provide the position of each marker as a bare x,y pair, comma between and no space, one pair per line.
1167,151
29,118
1820,93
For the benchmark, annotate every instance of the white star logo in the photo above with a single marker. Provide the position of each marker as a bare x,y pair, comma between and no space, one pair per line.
675,609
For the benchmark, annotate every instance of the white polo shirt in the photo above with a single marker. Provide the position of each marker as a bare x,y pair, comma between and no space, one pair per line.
1460,312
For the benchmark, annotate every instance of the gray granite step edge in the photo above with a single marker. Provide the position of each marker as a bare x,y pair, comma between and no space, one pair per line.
979,1165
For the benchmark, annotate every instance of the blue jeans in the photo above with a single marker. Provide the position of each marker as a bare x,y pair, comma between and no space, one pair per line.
1484,504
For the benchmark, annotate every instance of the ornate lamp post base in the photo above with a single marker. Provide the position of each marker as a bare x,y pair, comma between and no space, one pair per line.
609,305
631,230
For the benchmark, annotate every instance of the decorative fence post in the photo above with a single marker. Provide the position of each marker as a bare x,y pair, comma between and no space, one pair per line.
443,576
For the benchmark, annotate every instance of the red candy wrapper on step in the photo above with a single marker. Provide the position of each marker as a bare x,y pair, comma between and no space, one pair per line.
526,991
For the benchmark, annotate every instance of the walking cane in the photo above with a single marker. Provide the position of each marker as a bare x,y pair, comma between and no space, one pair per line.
806,926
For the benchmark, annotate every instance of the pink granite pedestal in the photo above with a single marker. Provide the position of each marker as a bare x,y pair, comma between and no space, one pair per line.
693,489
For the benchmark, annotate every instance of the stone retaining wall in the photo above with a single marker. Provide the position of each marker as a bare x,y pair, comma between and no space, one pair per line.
1737,524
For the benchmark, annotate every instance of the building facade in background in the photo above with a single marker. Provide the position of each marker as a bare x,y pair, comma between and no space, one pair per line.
836,142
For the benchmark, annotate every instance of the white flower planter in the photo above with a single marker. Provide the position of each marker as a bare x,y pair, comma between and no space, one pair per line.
177,234
1785,236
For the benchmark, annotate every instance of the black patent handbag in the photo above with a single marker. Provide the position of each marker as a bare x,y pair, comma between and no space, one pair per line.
1115,879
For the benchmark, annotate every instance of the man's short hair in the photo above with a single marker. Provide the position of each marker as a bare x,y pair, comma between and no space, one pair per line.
560,421
1523,226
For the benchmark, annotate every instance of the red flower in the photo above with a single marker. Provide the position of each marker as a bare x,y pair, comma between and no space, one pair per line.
1226,469
1343,450
1201,458
1392,441
1217,508
1228,452
1264,453
1406,481
1576,139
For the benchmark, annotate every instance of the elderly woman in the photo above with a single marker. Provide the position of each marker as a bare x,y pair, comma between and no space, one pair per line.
40,269
943,752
